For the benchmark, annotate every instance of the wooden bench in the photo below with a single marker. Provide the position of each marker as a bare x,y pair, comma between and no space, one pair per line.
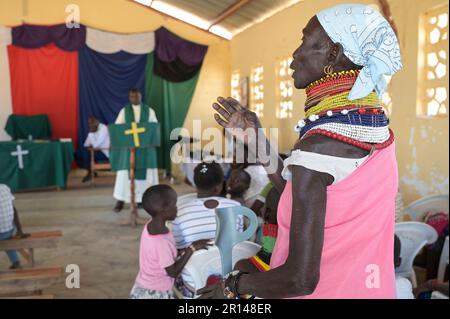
26,246
29,281
31,297
97,166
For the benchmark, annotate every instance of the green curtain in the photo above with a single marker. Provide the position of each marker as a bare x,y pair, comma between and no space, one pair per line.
171,103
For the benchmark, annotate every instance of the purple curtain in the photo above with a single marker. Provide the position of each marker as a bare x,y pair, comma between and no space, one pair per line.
177,59
33,36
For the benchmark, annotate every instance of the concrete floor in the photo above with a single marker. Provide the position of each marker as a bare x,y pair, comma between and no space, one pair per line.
106,253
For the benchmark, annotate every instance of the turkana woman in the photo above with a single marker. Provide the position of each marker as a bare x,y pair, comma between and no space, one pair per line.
336,213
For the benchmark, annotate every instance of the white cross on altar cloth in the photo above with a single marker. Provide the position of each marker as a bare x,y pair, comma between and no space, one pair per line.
19,153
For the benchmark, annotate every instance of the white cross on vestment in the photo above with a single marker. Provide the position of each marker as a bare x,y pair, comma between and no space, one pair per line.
19,153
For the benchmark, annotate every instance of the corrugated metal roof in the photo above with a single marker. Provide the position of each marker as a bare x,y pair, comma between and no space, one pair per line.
206,9
244,17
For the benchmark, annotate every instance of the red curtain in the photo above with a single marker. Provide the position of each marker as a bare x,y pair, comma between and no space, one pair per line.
45,81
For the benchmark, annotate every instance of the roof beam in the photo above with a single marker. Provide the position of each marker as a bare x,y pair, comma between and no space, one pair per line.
228,12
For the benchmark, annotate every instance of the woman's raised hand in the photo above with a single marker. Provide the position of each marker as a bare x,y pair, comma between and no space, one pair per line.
234,116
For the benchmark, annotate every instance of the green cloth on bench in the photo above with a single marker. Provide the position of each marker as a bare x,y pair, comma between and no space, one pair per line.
45,164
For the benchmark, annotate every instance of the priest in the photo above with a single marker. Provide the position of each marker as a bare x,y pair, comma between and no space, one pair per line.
138,112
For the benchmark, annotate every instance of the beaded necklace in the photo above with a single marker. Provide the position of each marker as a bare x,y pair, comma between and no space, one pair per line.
328,112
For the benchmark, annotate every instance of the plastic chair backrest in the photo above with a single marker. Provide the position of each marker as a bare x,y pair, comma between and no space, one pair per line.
205,263
227,236
413,237
417,210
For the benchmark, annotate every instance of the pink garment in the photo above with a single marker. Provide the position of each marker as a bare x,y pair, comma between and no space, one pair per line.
358,250
157,252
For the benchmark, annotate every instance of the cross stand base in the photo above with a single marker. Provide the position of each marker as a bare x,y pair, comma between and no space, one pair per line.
134,218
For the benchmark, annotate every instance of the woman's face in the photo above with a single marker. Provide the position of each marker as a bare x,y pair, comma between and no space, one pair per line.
312,56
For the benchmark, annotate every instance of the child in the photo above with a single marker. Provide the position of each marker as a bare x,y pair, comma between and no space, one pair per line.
196,218
237,184
9,221
261,262
158,264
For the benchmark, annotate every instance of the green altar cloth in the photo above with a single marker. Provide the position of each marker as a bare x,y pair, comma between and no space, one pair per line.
35,164
21,127
145,139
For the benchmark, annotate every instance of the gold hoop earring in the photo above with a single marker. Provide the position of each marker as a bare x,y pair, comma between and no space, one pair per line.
328,70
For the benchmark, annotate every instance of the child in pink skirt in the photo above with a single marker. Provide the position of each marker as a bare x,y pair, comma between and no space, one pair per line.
158,263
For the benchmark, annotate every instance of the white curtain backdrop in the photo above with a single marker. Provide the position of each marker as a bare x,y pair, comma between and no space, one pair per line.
107,42
5,83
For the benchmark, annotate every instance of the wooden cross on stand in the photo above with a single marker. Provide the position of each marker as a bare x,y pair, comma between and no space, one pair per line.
134,219
135,132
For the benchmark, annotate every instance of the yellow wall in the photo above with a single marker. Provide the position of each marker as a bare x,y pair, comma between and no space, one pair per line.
123,16
266,43
422,144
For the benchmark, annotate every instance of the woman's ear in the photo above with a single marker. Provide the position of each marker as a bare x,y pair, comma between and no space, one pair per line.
336,53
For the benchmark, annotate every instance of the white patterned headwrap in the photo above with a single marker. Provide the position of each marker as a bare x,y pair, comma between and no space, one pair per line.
368,41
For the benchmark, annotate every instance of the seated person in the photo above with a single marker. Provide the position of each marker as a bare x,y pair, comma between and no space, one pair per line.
158,263
258,182
98,138
189,166
425,290
404,286
259,178
196,217
261,262
261,199
237,184
9,221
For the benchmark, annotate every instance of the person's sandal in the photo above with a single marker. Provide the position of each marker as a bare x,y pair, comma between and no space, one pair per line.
87,178
119,206
16,266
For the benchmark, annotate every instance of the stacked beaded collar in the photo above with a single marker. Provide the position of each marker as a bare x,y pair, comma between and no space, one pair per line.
328,112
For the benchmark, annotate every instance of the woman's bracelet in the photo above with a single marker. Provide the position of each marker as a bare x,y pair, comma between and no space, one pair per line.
230,288
235,281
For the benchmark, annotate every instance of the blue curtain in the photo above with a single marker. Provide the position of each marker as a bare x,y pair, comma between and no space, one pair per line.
104,83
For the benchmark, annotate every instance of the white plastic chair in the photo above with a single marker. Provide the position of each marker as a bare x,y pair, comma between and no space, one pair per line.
443,261
204,263
438,295
417,210
413,237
